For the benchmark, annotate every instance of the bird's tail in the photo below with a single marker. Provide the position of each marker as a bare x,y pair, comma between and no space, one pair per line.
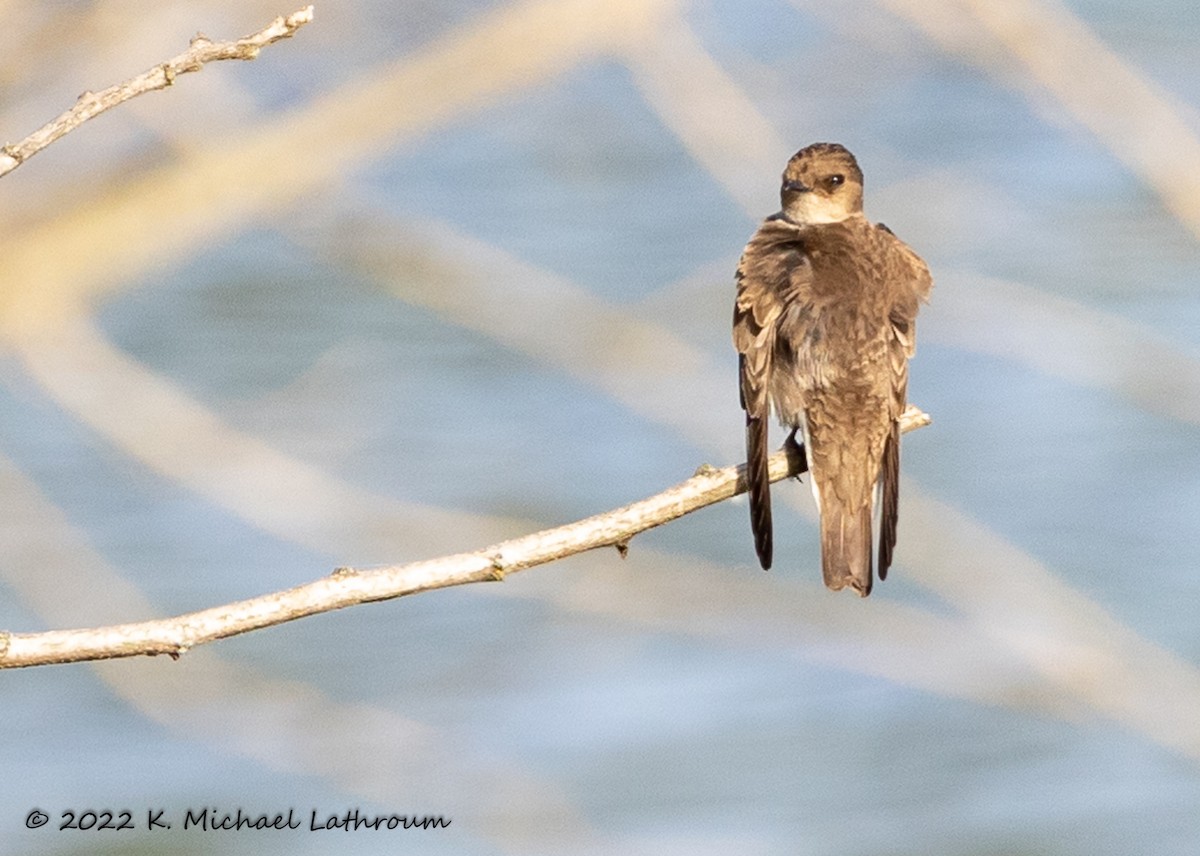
846,547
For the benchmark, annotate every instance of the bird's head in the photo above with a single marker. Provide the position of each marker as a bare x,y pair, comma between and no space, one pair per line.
822,184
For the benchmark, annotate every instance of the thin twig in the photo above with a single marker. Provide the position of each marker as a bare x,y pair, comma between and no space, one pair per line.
201,51
348,586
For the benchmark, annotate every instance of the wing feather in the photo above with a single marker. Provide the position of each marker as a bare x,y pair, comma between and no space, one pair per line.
910,270
766,274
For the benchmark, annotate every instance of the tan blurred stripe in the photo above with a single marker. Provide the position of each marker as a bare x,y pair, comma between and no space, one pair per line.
1066,339
480,287
711,115
1055,52
1066,637
153,421
171,212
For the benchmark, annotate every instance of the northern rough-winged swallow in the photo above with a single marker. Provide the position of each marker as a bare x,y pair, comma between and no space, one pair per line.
824,325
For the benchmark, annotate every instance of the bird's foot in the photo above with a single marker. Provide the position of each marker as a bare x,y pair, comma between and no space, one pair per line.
795,452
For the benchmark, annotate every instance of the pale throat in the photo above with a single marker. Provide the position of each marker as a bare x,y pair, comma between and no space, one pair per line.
811,209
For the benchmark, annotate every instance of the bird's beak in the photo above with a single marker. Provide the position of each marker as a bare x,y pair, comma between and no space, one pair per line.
796,187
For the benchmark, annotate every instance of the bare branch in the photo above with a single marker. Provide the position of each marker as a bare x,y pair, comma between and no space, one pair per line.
201,51
347,586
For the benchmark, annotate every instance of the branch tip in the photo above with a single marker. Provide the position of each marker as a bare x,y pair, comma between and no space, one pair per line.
201,50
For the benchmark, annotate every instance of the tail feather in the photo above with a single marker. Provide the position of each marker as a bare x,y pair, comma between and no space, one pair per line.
758,486
846,548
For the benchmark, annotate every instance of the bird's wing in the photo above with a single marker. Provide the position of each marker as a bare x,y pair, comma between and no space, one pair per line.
770,268
910,271
912,285
908,268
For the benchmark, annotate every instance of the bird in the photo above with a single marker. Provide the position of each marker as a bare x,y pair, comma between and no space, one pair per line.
824,325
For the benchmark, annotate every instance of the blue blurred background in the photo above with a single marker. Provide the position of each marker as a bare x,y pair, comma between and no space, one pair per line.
434,274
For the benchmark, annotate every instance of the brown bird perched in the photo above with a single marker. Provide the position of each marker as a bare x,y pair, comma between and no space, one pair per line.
824,326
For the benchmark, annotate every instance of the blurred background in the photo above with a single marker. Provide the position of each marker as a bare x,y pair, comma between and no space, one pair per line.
434,274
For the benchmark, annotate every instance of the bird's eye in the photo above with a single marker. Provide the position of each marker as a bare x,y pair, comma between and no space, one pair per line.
835,181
